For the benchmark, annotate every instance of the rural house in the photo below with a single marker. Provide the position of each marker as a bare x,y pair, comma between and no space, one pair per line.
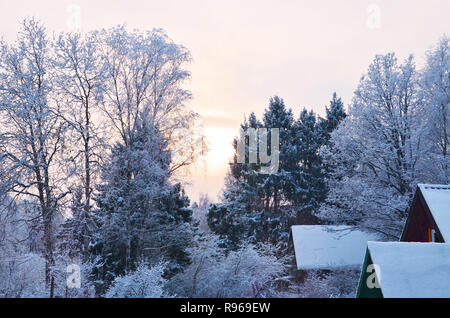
419,265
429,215
405,270
326,247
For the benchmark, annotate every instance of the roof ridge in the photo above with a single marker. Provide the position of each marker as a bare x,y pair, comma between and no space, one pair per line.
434,186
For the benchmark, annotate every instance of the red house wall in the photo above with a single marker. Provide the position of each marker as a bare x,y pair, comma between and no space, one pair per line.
418,224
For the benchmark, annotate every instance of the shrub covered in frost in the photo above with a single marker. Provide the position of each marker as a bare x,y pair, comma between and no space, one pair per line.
144,282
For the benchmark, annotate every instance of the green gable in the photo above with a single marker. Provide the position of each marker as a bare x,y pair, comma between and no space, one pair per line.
363,290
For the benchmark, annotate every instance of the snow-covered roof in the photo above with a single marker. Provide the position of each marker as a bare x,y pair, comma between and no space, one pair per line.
438,200
411,270
328,247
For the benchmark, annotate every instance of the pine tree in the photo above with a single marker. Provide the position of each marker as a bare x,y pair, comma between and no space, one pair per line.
241,197
263,206
277,186
176,215
75,232
141,216
310,183
334,116
256,204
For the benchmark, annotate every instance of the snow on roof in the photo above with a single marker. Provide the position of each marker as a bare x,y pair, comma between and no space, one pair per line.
438,200
328,247
411,270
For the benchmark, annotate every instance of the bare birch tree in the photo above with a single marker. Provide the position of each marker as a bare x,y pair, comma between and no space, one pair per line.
80,78
32,134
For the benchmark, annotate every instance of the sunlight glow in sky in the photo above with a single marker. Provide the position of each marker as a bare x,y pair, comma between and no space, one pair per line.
246,51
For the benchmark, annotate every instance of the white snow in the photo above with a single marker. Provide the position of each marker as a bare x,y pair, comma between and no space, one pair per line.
410,269
328,247
438,200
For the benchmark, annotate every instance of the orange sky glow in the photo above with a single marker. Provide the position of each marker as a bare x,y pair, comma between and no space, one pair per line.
244,52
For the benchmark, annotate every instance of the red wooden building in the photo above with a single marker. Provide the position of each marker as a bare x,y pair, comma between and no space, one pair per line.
429,215
413,269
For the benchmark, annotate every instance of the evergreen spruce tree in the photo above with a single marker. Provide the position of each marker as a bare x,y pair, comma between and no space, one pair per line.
310,190
141,216
255,205
240,199
75,232
334,116
277,186
263,206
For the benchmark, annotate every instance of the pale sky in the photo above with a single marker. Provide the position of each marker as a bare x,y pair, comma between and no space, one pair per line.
246,51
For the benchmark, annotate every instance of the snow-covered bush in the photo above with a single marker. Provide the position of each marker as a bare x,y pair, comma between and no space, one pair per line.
341,283
247,272
144,282
22,275
65,268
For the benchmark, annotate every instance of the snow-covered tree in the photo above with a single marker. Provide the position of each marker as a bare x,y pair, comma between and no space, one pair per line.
200,210
238,216
141,216
309,178
22,276
376,149
71,238
53,95
66,269
144,282
145,77
435,89
80,75
334,116
263,206
277,187
32,133
247,272
255,203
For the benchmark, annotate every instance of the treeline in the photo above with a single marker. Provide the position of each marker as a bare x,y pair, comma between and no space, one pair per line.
358,168
87,160
262,207
94,133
